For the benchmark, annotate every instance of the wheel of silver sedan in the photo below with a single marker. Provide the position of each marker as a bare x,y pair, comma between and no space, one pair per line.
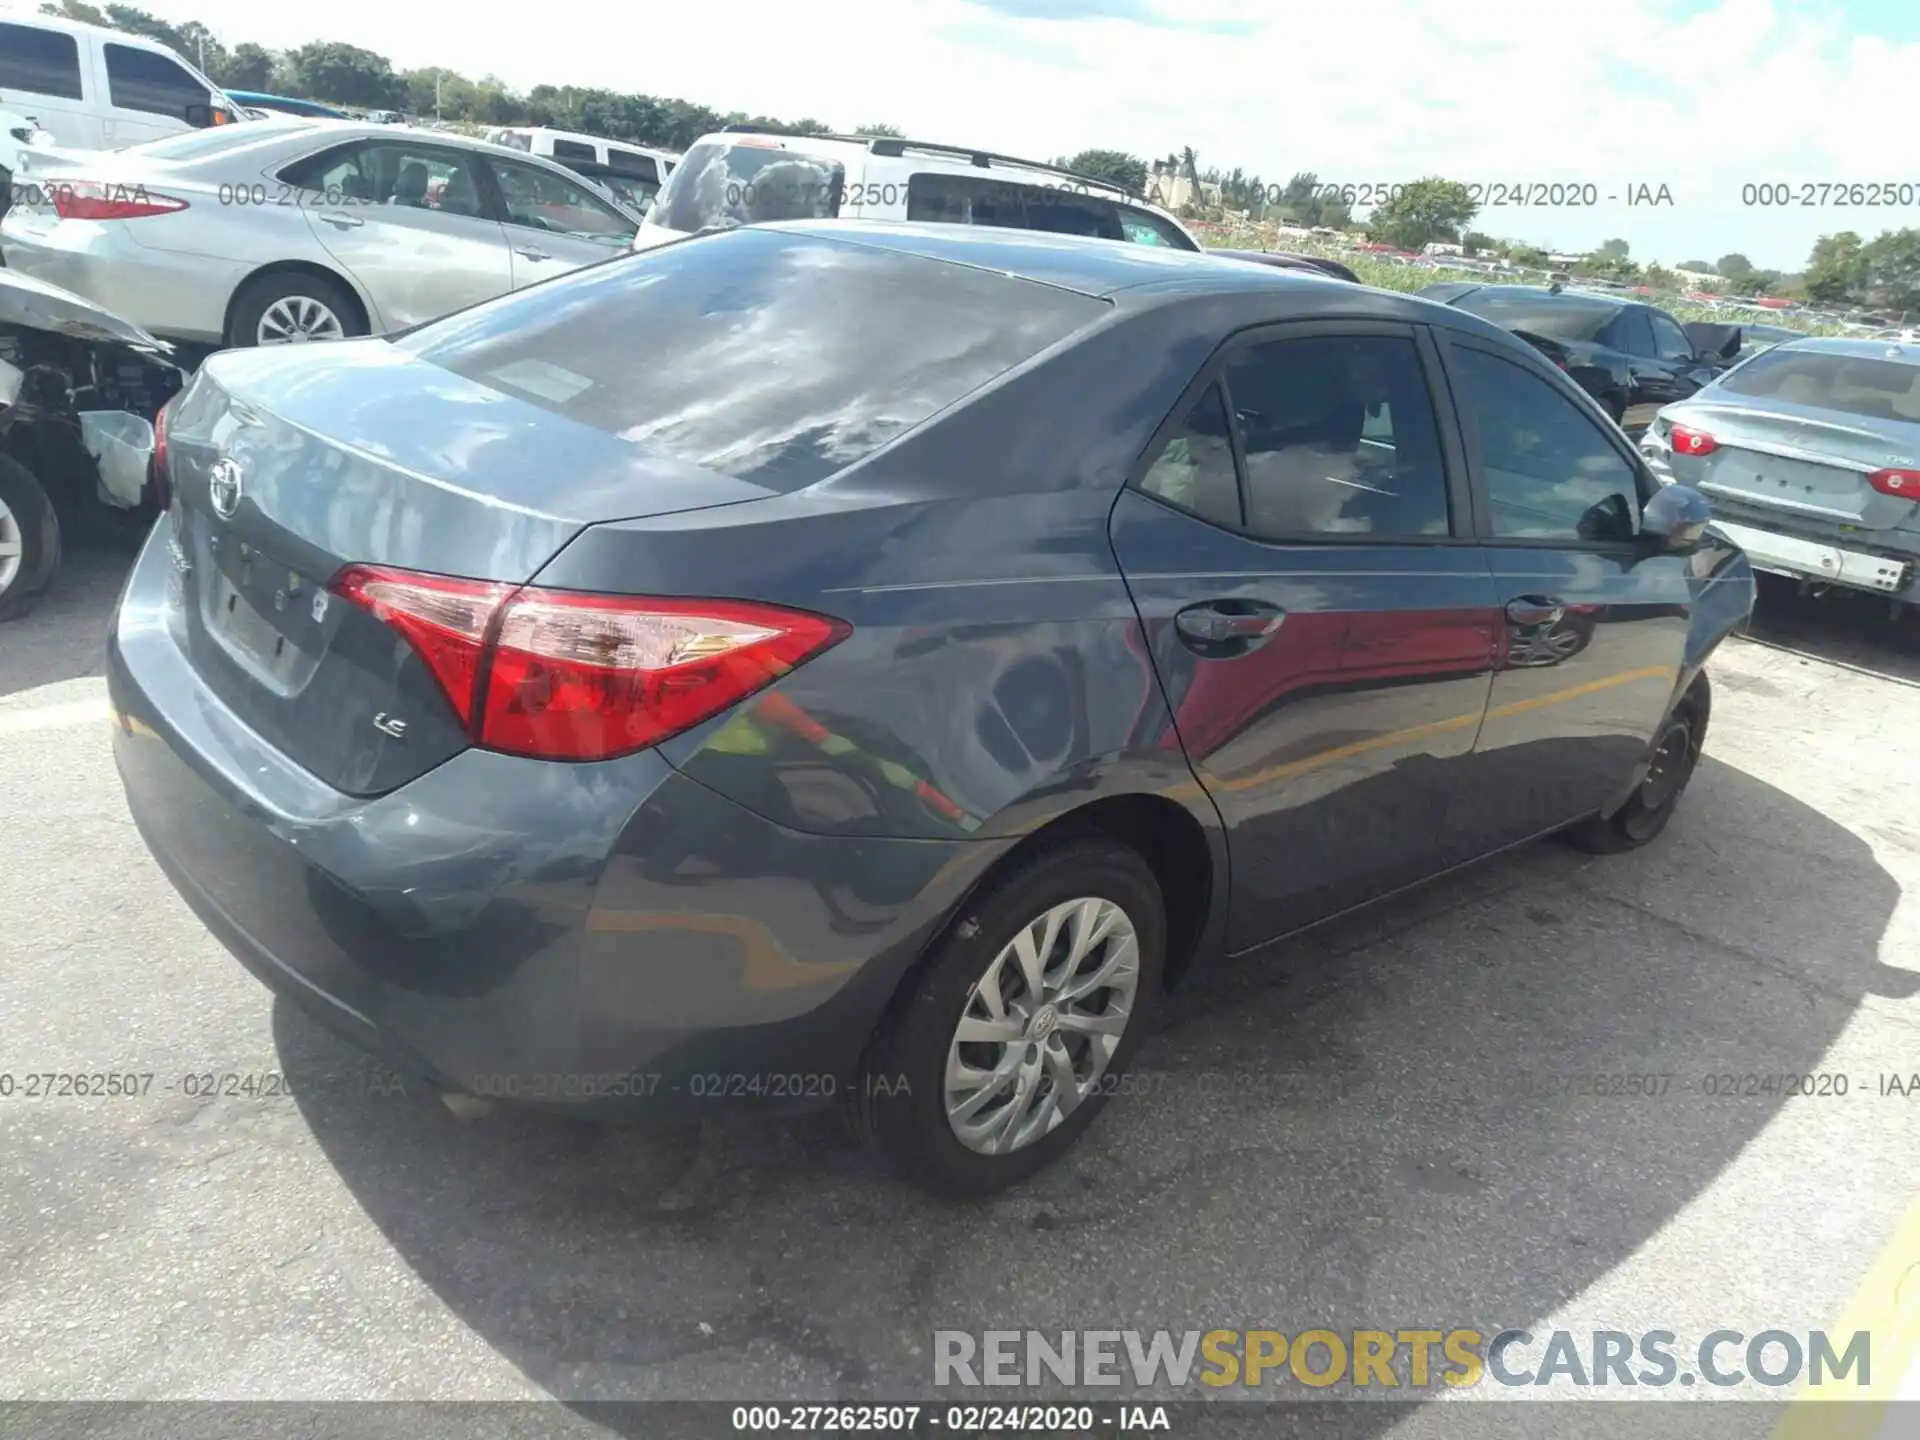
1040,1026
13,547
296,319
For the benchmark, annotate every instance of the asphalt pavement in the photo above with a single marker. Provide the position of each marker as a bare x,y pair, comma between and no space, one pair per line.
1383,1125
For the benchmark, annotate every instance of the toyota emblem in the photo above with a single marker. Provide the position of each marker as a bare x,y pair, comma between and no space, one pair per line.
223,488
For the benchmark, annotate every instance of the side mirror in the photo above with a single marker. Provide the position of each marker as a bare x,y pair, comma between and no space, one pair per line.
1675,518
199,115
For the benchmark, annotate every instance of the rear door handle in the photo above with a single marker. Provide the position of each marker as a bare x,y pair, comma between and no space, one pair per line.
1241,624
531,253
1536,610
343,222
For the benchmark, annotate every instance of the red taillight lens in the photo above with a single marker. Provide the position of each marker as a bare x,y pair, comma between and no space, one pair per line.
104,200
568,676
1901,484
1692,442
446,621
162,482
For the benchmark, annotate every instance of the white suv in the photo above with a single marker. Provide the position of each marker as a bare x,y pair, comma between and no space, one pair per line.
742,175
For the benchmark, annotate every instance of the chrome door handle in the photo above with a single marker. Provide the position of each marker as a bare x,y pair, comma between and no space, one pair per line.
1536,610
1227,622
531,253
343,222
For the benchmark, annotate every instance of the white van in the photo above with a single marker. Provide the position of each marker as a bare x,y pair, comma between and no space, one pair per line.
100,89
634,174
741,175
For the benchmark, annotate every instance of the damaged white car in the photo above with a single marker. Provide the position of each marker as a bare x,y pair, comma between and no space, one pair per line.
80,389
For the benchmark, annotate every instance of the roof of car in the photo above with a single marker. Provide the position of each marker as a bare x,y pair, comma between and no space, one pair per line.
1894,350
1126,274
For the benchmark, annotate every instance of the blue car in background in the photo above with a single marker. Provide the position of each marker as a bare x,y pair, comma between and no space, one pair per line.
254,100
829,661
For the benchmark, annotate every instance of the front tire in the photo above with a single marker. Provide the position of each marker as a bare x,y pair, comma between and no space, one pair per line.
29,539
1027,1013
292,307
1676,752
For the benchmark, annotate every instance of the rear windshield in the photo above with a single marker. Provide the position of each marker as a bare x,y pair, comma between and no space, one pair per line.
719,185
775,357
1851,384
1554,319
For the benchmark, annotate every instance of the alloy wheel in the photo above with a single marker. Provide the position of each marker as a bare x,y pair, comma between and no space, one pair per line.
297,319
13,547
1039,1028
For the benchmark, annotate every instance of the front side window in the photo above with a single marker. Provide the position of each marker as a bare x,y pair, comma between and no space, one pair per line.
40,62
1339,437
1630,334
1669,340
538,199
401,176
142,80
1195,469
1550,472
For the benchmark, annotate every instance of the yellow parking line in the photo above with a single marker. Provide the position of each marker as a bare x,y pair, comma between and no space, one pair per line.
1887,1306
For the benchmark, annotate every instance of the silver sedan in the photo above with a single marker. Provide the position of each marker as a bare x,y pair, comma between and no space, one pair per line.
1810,455
293,229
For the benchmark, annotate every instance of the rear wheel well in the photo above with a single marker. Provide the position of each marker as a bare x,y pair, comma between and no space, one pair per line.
297,267
1163,834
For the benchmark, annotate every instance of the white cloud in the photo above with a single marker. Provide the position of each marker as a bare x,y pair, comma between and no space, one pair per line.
1368,90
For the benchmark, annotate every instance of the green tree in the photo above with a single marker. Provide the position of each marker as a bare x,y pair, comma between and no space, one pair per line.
889,131
76,10
1733,267
1836,270
1891,263
1612,250
1661,278
1116,166
1475,242
1425,210
344,74
1699,267
247,67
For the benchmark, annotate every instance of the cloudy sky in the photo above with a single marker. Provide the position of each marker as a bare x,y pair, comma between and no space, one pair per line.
1702,96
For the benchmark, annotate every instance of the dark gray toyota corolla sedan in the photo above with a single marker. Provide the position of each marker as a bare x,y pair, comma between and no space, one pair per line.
824,662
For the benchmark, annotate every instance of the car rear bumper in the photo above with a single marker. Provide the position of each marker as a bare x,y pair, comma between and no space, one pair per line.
1880,572
175,295
594,937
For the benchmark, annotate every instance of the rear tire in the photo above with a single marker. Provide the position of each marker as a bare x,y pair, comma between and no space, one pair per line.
1091,887
1651,806
292,301
29,539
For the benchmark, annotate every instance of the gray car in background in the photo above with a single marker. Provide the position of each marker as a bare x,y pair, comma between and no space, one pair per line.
296,229
1810,455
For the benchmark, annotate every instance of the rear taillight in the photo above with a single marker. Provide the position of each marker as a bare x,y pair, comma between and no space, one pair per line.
568,676
106,200
1901,484
1691,442
162,482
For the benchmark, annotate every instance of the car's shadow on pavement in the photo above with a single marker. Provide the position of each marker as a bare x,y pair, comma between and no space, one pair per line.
1389,1123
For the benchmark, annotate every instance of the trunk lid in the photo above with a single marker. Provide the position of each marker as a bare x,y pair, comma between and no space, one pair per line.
1804,461
288,464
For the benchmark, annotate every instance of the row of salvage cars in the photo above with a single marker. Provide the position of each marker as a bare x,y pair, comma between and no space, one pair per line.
80,390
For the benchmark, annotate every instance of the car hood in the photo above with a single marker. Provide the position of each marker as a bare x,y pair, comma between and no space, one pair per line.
36,305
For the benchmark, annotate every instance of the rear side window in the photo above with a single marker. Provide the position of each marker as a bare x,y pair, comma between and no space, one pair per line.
573,150
970,200
41,62
142,80
1339,438
775,357
633,164
718,186
1195,470
1864,386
